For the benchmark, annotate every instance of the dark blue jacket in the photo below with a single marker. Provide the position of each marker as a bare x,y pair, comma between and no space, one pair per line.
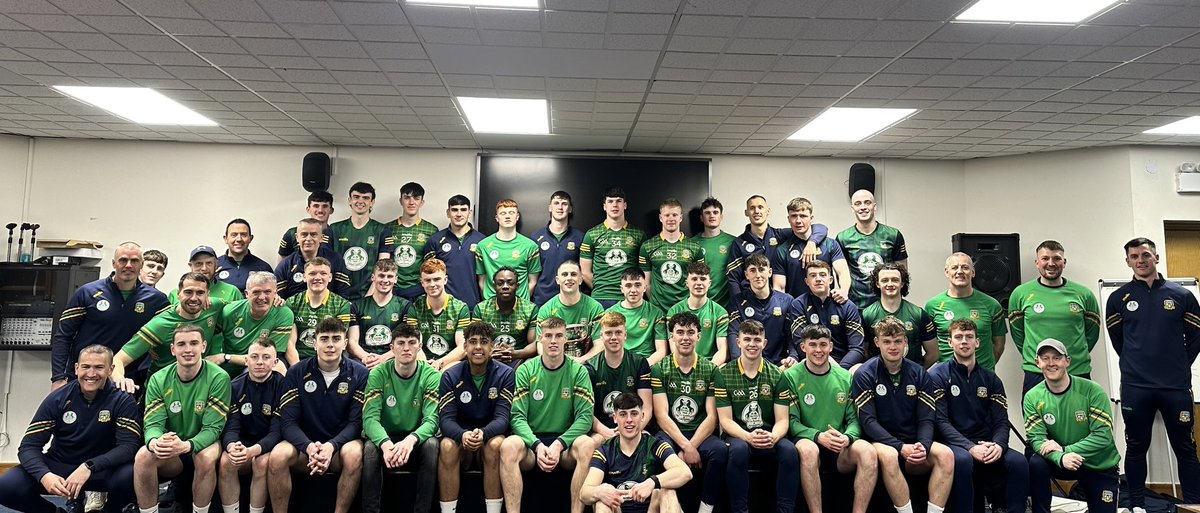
459,256
844,323
553,252
235,273
972,406
105,430
899,414
772,312
289,274
310,412
98,313
486,408
1156,331
254,415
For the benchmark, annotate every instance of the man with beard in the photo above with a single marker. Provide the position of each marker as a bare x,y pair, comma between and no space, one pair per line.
235,266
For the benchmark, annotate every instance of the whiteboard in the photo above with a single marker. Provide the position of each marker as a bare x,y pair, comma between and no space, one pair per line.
1114,365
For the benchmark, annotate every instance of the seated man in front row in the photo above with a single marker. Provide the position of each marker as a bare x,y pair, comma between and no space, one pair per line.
551,417
253,426
897,406
187,403
1069,425
476,403
627,470
320,416
400,421
93,432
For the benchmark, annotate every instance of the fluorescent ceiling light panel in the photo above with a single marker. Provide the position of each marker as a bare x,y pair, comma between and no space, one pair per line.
849,124
510,4
1187,126
506,115
1034,11
137,104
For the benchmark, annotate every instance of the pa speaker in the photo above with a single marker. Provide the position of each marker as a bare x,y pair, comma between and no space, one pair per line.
997,259
316,172
862,176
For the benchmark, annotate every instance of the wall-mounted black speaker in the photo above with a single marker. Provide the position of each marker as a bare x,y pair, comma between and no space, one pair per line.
317,171
997,259
862,176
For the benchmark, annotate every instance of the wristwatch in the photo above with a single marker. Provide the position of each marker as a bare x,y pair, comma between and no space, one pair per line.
89,464
228,357
657,484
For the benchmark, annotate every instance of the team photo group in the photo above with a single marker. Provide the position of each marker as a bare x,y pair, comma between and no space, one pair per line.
656,371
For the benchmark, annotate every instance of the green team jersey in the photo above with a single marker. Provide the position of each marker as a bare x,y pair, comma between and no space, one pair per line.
552,403
611,253
608,383
396,407
512,328
1079,419
716,251
980,308
216,290
752,400
714,324
579,318
409,243
438,330
667,263
307,318
194,410
1068,313
359,248
156,335
918,327
643,325
239,329
817,402
865,252
521,254
686,393
375,322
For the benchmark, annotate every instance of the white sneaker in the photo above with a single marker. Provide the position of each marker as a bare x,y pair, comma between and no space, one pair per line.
1139,510
95,501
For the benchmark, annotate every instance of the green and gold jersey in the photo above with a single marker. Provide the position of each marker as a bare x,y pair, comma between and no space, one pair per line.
611,253
643,325
155,336
918,327
1068,313
375,322
667,263
239,329
864,252
521,254
631,375
195,410
717,252
714,325
554,402
360,249
216,290
817,402
409,243
1079,419
686,392
752,399
395,407
438,329
981,309
307,318
512,328
580,317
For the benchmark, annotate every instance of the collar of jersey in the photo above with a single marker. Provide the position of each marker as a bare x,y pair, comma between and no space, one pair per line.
623,227
308,301
761,364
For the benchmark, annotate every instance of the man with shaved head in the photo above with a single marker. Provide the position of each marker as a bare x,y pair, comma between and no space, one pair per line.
866,245
962,301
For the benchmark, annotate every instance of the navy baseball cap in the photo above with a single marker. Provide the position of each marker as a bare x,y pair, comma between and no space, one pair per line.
201,250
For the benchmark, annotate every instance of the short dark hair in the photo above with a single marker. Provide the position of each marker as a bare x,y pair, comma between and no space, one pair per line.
627,401
193,276
154,255
1140,241
815,332
758,260
711,202
237,220
752,327
683,319
699,267
890,266
1050,245
614,192
633,273
186,328
562,194
320,197
331,324
963,325
552,322
264,341
889,327
413,189
406,330
458,200
363,188
819,264
502,269
480,328
318,261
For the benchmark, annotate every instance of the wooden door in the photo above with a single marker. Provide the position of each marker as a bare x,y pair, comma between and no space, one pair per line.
1183,260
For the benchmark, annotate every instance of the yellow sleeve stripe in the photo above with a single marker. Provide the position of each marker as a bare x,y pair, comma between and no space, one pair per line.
34,430
597,455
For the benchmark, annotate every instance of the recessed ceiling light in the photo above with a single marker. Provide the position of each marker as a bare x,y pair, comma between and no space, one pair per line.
137,104
1034,11
849,124
1186,126
511,4
506,115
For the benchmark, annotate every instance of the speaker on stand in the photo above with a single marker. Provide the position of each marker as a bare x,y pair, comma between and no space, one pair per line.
997,259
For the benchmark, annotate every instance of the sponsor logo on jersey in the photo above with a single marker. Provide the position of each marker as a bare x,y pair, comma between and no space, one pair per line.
1039,308
954,390
750,248
377,335
671,272
104,416
795,253
239,332
1132,306
1049,418
752,415
608,401
815,319
868,261
437,345
247,408
102,305
545,246
465,396
405,255
880,390
69,417
223,275
538,395
310,386
446,247
615,258
810,399
176,407
139,307
298,277
749,311
391,401
948,315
